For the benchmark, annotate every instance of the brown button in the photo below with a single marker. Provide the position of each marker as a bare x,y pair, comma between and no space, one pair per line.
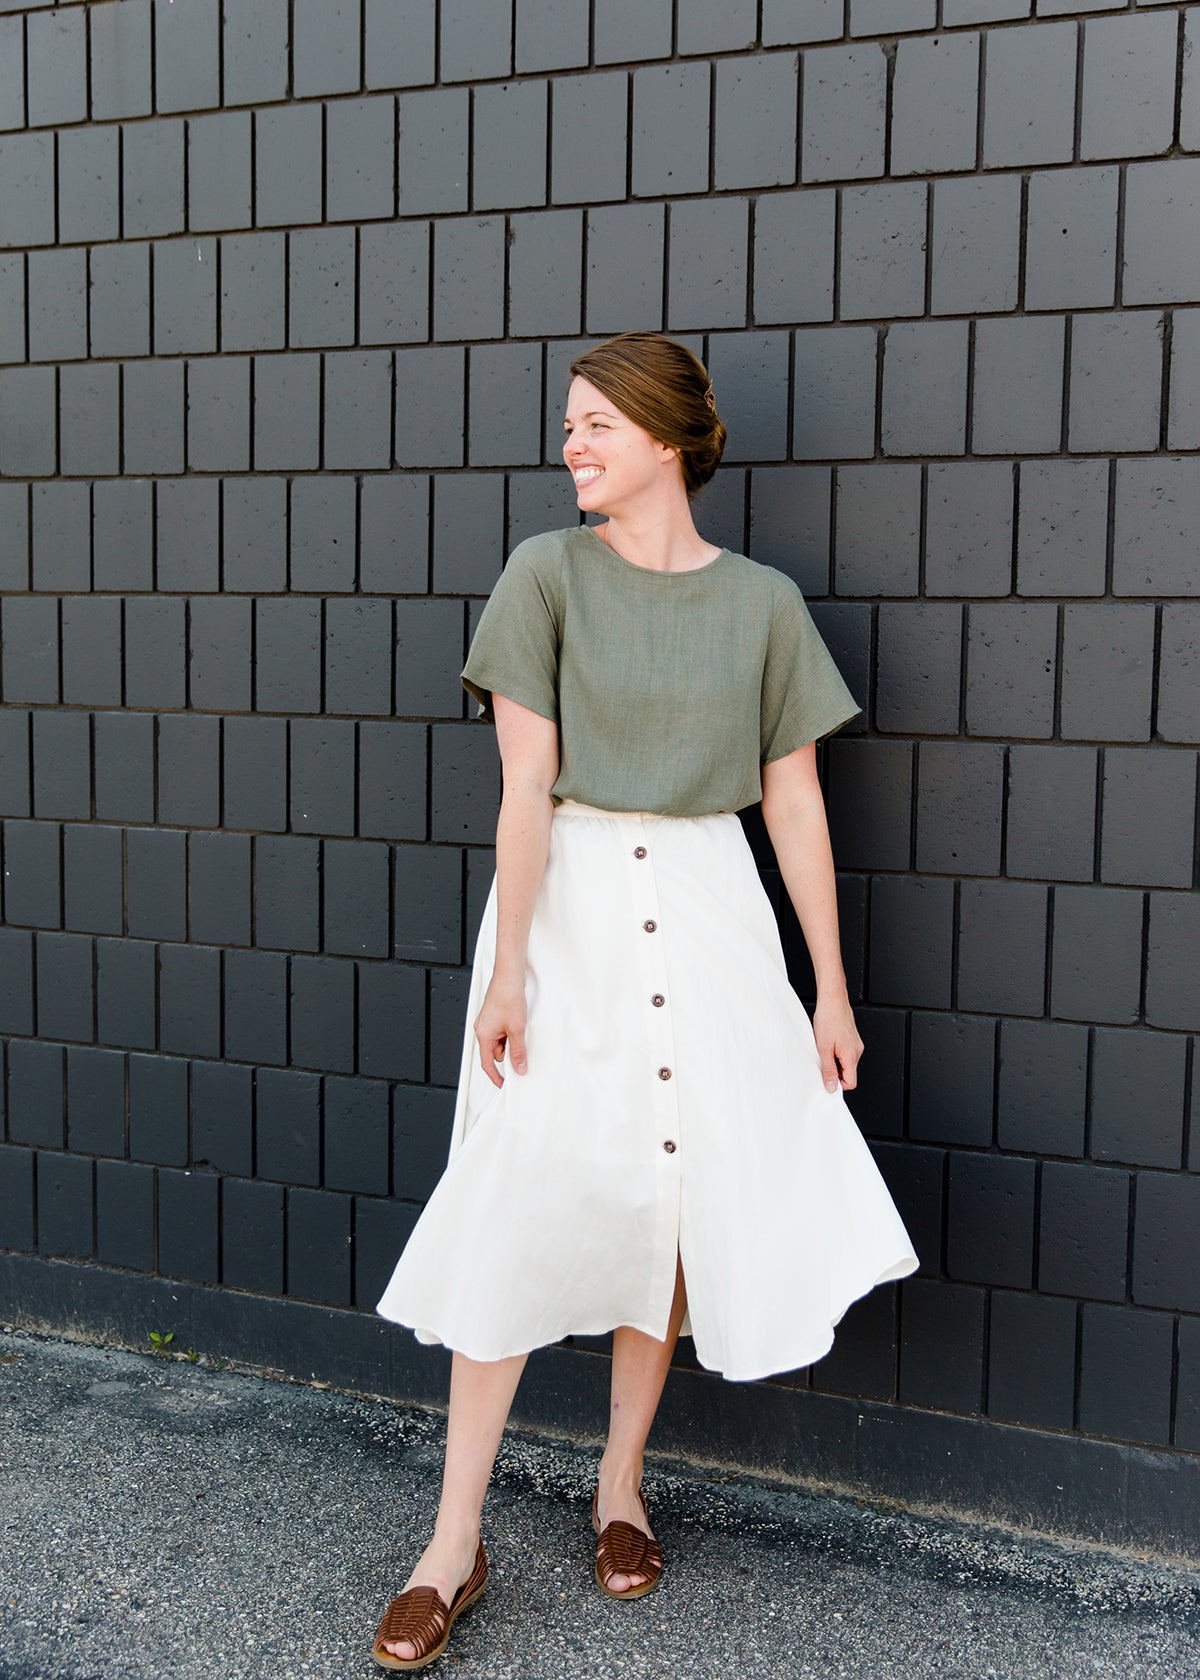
650,927
669,1147
658,1000
639,851
664,1073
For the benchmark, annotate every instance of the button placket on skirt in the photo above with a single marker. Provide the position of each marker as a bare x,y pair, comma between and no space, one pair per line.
661,1084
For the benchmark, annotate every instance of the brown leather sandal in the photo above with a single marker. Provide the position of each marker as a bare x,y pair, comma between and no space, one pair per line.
420,1616
626,1550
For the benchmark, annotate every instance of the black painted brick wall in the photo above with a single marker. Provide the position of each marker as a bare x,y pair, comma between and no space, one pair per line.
287,298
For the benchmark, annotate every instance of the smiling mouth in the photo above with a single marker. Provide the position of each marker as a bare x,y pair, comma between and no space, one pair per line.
587,475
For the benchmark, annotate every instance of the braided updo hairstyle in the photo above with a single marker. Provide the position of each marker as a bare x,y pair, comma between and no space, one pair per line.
662,387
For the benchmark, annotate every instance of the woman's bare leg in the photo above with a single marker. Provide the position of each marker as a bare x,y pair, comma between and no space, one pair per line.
639,1370
481,1393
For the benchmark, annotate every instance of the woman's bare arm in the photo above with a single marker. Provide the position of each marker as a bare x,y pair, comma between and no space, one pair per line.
529,757
794,812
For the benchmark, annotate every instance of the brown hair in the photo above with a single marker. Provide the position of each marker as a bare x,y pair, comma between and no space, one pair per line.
662,387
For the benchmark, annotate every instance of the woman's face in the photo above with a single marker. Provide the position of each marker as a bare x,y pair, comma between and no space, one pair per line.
609,457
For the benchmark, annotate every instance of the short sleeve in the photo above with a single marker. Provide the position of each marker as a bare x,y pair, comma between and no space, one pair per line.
514,651
803,695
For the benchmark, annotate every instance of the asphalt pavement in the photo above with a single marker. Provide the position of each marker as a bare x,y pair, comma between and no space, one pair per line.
160,1517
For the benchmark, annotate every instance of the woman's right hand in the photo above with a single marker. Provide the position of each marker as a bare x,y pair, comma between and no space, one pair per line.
500,1029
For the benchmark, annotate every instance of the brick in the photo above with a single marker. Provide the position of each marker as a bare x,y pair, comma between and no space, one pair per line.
16,981
505,415
358,657
187,41
749,375
959,805
754,141
121,60
35,1094
468,520
322,1014
465,784
31,649
158,1110
89,184
878,537
188,534
189,770
713,26
64,981
357,425
92,886
14,762
916,1179
883,250
476,39
1156,507
393,281
120,300
185,296
12,307
468,278
1017,405
256,1014
878,1100
624,268
27,447
1096,972
976,242
222,1119
422,438
433,171
1042,1093
537,501
287,413
255,534
252,1236
1108,661
394,533
391,1021
588,140
287,1125
509,144
1125,1374
64,1204
326,46
156,887
670,130
124,766
990,1220
1128,85
1189,105
1138,780
786,288
708,263
355,875
1051,812
834,393
220,187
941,1345
1002,947
254,773
356,1133
1168,1209
91,650
545,257
360,158
61,768
924,388
935,101
153,417
322,776
790,523
253,291
287,893
951,1079
1011,662
189,1000
153,168
399,43
156,651
89,407
12,73
1179,674
1062,527
784,23
288,146
1072,239
1083,1231
890,17
845,98
919,655
631,29
911,923
218,408
1183,427
57,305
863,1359
1187,1411
319,1246
56,60
846,631
870,795
125,1214
95,1101
1116,381
219,888
256,50
1162,230
321,287
448,989
27,189
1172,986
391,781
427,892
1031,1360
188,1225
122,536
1029,100
59,536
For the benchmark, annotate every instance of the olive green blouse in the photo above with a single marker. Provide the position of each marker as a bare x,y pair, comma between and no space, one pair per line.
670,689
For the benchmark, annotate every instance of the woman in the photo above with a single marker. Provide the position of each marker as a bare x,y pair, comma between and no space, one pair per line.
650,1136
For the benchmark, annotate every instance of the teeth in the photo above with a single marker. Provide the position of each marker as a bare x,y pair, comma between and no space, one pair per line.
586,474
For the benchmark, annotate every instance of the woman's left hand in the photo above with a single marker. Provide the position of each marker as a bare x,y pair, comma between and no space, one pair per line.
838,1041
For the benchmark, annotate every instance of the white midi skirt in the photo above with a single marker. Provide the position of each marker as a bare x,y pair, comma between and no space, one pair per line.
673,1104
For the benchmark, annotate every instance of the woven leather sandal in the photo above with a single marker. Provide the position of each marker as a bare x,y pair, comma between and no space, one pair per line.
420,1616
626,1550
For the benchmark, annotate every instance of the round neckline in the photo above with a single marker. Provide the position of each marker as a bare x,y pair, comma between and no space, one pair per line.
652,571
